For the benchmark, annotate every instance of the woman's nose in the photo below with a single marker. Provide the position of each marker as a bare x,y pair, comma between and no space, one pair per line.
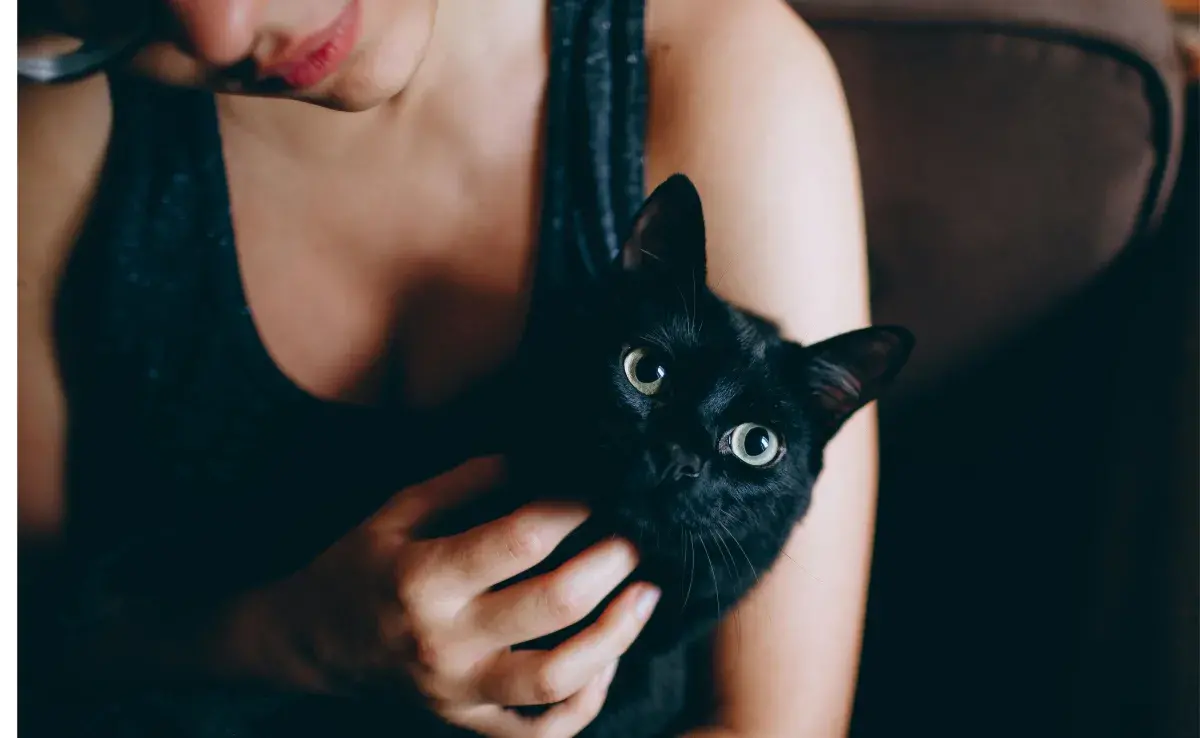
219,32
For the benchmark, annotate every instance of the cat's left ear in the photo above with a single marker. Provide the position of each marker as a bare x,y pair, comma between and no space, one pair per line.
667,236
844,373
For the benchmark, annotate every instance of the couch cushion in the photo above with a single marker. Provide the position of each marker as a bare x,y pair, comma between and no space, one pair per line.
1009,151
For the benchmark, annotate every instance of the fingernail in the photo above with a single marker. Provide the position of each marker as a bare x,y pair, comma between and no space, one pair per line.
646,602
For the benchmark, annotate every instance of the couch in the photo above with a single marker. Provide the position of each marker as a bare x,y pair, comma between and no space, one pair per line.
1018,160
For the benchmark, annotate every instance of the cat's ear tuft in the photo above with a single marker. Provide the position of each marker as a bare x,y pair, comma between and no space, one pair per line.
667,236
844,373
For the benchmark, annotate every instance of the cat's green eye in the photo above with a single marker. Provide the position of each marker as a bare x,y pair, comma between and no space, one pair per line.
645,370
753,444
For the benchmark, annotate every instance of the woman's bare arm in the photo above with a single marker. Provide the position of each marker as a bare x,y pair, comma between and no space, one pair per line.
746,101
62,133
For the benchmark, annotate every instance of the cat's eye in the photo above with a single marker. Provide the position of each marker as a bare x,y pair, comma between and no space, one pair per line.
754,444
645,370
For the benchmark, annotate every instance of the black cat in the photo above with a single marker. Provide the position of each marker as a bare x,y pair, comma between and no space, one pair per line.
688,426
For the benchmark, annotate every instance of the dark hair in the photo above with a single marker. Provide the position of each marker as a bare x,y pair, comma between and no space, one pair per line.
106,38
36,18
86,20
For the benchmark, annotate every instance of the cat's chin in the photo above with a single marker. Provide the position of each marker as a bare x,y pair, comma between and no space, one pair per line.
647,528
665,541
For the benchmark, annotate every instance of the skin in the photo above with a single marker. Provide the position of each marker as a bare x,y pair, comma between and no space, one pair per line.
744,99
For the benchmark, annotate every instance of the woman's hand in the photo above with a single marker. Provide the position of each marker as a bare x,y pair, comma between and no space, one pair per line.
381,606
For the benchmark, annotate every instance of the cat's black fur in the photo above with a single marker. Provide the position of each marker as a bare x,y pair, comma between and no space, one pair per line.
657,468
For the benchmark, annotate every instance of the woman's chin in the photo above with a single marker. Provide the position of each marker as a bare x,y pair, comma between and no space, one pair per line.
344,103
354,90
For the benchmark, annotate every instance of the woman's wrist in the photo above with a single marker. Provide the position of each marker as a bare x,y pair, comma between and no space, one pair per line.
252,639
244,640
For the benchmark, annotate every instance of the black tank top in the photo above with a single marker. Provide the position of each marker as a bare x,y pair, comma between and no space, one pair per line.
195,466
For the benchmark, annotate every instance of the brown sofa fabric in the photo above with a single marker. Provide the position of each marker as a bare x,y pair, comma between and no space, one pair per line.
1009,150
1137,31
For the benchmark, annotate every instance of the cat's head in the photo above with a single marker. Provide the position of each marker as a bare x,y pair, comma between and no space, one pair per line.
701,426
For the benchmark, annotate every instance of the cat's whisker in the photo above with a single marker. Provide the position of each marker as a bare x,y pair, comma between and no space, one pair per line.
692,578
746,556
695,307
802,567
716,288
737,622
712,570
652,255
683,567
687,316
726,554
730,565
683,545
653,338
737,615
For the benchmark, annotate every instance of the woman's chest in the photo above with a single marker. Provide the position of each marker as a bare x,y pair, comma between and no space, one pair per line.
376,283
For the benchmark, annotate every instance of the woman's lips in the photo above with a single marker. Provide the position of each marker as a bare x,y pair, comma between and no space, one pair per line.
310,61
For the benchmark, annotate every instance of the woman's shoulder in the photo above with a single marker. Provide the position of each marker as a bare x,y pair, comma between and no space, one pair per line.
746,100
733,83
738,36
62,138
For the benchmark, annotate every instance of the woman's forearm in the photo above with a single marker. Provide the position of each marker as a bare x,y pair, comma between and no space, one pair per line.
228,641
220,642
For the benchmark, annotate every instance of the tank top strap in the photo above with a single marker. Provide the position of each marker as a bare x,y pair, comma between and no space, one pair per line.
142,251
594,140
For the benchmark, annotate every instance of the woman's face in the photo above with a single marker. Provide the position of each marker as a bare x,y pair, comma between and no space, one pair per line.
342,54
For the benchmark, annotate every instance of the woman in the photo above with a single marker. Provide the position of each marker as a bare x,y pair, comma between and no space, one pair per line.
383,263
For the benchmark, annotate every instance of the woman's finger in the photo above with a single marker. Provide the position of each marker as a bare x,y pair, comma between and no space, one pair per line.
550,602
563,720
546,677
472,562
567,718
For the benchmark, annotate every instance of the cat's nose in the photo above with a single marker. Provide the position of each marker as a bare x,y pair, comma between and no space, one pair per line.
682,464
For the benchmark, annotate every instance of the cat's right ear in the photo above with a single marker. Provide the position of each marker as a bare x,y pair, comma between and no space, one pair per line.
667,236
844,373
